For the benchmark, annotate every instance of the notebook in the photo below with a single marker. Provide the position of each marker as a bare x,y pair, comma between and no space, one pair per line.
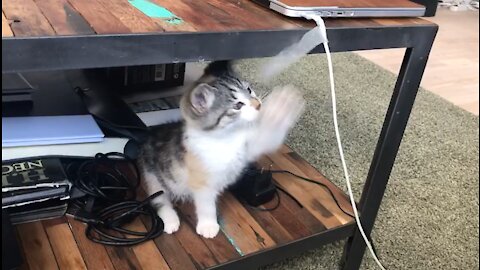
87,150
46,130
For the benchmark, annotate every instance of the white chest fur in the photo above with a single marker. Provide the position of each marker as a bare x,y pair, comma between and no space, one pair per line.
223,155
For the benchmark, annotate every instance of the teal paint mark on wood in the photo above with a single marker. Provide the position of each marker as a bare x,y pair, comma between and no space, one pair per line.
153,10
230,239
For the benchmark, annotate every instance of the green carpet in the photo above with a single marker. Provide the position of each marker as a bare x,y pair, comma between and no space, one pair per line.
429,215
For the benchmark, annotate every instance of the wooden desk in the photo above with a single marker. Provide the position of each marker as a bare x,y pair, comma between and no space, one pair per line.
73,34
76,34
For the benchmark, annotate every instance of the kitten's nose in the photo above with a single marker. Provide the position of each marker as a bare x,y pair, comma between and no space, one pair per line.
254,102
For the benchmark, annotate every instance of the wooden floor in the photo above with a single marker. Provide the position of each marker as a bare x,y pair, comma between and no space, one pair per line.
452,70
61,243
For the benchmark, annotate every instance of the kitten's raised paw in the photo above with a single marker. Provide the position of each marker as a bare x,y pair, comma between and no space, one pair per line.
282,108
170,220
208,229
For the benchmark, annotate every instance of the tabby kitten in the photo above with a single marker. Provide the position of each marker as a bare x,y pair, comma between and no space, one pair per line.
225,127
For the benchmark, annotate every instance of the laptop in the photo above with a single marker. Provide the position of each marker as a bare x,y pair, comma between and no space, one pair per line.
346,8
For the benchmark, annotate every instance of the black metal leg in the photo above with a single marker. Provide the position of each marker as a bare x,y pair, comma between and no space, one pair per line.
386,150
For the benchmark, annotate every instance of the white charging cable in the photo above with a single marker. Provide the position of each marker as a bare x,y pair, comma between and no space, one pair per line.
293,53
321,25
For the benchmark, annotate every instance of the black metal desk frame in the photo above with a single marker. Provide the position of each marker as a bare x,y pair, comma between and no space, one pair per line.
79,52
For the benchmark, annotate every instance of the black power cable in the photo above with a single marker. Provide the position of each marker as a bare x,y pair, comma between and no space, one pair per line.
316,183
114,217
277,204
293,198
252,172
331,194
109,203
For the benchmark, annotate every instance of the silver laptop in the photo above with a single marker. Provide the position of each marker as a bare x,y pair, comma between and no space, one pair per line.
346,8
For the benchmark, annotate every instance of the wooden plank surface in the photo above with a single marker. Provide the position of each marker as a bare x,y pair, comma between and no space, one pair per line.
24,265
305,219
303,225
300,167
147,254
312,173
189,14
163,16
220,246
63,244
311,197
173,253
79,17
241,17
64,19
6,30
193,244
94,255
267,16
168,245
131,17
240,227
37,248
27,19
97,256
269,222
99,17
123,258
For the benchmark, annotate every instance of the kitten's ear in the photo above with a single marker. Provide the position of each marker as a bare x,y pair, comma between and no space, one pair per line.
218,68
202,98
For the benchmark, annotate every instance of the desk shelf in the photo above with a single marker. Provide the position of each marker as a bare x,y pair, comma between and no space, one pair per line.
78,34
248,238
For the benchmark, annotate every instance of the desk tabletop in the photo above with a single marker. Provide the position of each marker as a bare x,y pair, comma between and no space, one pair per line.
35,18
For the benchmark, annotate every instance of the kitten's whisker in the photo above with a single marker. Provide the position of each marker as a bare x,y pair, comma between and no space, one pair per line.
265,94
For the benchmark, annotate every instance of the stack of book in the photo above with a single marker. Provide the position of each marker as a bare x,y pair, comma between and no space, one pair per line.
34,189
63,123
34,183
57,124
159,107
158,111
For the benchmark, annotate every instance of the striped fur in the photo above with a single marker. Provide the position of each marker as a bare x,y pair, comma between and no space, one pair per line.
199,157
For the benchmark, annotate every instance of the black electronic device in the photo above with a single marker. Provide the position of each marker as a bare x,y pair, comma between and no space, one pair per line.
47,89
149,77
17,93
255,187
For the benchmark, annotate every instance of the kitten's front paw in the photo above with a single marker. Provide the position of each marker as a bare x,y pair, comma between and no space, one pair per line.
207,228
278,114
282,109
170,219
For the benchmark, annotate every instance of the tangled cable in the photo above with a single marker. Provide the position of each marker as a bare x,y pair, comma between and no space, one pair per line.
109,203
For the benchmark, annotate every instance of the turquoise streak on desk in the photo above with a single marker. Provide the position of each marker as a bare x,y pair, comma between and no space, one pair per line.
155,11
230,239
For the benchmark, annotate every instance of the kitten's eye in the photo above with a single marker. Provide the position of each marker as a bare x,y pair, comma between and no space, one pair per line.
238,105
249,90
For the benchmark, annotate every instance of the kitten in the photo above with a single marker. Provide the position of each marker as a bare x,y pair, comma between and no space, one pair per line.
225,127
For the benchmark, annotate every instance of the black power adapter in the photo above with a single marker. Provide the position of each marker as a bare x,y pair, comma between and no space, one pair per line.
255,186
